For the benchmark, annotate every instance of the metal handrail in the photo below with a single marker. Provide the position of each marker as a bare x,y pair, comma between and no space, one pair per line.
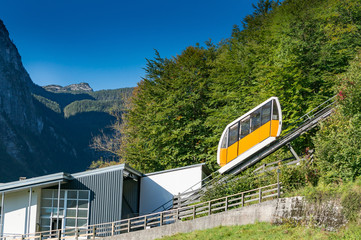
311,113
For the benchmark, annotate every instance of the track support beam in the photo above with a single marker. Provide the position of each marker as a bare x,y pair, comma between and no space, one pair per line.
293,152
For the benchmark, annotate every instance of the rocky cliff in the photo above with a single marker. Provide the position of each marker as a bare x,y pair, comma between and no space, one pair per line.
17,110
35,138
16,104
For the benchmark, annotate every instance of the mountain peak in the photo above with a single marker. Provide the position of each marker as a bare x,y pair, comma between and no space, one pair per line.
78,87
3,28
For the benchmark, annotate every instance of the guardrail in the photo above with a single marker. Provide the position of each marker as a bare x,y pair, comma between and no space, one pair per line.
158,219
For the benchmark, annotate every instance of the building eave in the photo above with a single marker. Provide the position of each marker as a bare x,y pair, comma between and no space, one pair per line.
42,181
123,166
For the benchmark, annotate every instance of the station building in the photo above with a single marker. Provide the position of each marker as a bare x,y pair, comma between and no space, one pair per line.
61,200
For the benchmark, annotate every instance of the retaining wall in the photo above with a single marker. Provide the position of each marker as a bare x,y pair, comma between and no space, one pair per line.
273,211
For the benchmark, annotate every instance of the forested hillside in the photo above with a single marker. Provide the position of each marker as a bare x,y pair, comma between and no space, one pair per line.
297,50
70,102
81,114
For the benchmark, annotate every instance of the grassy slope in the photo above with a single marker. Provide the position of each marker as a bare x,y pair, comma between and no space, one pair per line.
269,231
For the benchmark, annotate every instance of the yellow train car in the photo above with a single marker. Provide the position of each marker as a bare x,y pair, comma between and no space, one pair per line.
249,133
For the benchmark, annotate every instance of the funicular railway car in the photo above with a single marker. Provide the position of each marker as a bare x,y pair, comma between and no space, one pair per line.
249,133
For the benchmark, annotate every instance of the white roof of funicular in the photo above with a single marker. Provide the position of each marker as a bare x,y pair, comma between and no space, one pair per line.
43,181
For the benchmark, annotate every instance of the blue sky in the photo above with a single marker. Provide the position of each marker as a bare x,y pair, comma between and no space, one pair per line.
106,42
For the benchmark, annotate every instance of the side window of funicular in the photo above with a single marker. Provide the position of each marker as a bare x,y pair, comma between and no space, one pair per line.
245,127
233,134
275,115
255,119
224,141
266,112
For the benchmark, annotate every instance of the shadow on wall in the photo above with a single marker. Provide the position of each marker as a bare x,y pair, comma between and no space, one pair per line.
152,196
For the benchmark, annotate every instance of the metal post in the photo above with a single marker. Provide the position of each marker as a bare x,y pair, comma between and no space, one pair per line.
57,217
194,211
2,215
178,201
293,152
161,219
226,205
278,183
129,225
209,208
113,228
76,233
260,195
242,199
94,232
177,214
59,234
145,222
29,212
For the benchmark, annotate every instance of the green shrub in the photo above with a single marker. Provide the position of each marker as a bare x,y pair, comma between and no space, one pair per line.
338,143
322,192
298,176
351,203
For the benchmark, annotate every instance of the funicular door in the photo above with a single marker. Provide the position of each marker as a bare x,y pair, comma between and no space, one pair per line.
232,150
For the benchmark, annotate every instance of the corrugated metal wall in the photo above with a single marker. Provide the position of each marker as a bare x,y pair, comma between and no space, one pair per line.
106,194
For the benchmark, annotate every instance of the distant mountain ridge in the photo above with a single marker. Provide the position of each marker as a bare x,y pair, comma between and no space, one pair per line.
47,130
80,87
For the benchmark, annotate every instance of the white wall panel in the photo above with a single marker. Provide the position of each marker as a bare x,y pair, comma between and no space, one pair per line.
16,212
158,188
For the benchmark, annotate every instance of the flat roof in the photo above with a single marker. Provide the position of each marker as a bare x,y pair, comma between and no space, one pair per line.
176,169
123,166
53,179
46,180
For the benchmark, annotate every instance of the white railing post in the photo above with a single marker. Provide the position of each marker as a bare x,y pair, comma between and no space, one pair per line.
161,219
194,211
226,204
129,225
113,228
